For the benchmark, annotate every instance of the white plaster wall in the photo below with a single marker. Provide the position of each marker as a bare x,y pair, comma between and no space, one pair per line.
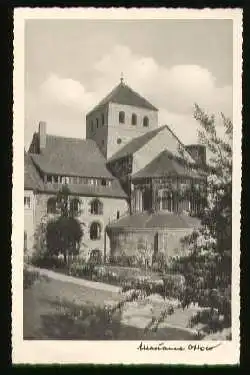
162,141
127,131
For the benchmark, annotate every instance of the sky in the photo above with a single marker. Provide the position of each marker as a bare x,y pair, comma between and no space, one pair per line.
70,65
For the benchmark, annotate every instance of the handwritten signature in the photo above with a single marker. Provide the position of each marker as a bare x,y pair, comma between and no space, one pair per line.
162,347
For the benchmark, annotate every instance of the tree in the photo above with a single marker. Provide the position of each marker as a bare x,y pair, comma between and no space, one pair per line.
207,267
63,235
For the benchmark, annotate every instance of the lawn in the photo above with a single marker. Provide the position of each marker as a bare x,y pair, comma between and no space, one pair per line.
43,318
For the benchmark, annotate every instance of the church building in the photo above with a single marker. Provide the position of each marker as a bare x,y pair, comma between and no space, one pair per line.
133,183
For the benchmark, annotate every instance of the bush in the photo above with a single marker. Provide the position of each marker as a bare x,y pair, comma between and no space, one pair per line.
29,277
159,262
124,260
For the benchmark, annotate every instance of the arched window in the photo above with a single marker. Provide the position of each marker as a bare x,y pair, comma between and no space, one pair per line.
145,121
119,141
74,206
134,119
95,231
51,206
97,123
96,207
121,117
103,120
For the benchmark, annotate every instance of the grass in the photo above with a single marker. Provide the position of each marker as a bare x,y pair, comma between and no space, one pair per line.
44,318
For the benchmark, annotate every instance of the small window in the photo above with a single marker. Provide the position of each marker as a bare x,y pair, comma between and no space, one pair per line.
27,202
119,141
56,179
104,182
92,126
97,123
75,180
49,178
51,206
75,206
145,121
96,207
95,231
134,119
103,119
121,117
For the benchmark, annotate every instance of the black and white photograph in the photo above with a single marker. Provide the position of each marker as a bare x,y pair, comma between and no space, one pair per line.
126,186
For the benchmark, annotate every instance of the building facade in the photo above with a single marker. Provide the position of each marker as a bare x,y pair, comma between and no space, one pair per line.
130,181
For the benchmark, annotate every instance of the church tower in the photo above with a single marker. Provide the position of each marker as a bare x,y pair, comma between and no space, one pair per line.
121,116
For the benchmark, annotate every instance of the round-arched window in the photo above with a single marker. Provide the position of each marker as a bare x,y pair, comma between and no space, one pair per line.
95,231
121,117
74,206
96,207
134,119
119,141
145,121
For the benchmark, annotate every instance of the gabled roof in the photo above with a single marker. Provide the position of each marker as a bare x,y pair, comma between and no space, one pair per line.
71,157
145,220
32,180
123,94
135,144
166,164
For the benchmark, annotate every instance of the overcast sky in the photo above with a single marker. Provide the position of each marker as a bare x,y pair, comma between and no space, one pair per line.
71,64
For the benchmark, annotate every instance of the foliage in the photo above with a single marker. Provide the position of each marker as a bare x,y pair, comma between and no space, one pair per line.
64,234
95,257
30,277
207,267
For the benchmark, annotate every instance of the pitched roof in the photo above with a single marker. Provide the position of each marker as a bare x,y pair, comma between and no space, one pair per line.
135,144
71,157
145,220
32,180
166,164
123,94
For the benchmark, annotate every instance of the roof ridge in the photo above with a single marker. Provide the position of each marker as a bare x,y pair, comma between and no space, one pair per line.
69,138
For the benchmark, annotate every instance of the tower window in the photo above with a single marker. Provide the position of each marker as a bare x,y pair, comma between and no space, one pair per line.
145,121
92,126
103,119
121,117
134,119
97,123
119,141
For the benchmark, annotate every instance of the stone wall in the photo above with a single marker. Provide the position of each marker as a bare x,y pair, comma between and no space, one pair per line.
110,208
167,241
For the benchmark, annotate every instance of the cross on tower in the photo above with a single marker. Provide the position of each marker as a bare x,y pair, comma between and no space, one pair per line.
122,78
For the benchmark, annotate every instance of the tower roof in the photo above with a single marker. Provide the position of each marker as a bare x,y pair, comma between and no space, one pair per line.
123,94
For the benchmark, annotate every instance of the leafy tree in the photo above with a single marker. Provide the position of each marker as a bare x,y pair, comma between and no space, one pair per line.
207,267
63,235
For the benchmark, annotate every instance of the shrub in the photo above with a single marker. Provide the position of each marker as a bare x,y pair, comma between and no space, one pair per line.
29,277
159,262
81,269
124,260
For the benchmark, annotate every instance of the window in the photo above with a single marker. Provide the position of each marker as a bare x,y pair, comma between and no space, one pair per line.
166,200
74,206
49,178
117,215
51,206
92,126
97,123
96,207
75,180
56,179
103,182
121,117
27,202
103,119
25,241
95,231
134,119
145,121
119,141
